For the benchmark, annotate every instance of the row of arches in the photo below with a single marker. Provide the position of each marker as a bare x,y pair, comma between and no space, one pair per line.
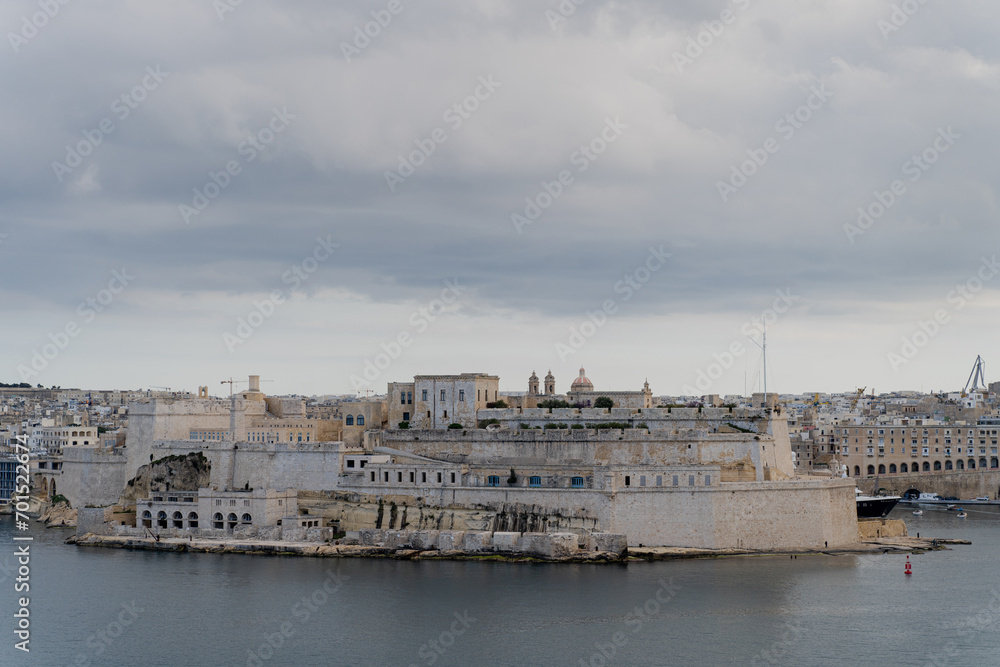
177,520
960,464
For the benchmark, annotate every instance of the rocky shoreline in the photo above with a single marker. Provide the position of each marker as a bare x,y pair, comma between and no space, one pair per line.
902,545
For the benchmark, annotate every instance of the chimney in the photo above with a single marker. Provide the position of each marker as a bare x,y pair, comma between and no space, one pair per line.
254,383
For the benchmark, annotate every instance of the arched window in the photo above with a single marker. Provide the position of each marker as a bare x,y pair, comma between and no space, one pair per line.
178,520
231,520
361,420
892,468
972,464
982,463
217,520
927,466
192,520
857,471
961,464
947,465
349,421
246,518
881,468
161,519
937,465
904,468
871,470
994,462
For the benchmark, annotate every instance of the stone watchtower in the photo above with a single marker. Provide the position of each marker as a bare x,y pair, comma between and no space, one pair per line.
550,384
533,384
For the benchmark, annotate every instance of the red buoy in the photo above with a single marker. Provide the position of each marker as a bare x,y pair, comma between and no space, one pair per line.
909,567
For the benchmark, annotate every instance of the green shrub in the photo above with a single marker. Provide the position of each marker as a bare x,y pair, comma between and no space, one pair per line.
497,404
604,402
455,426
404,424
553,403
483,423
59,498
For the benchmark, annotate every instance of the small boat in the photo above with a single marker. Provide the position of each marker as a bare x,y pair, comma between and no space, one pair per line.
961,514
918,512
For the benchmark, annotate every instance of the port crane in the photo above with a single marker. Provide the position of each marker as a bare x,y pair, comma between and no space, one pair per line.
977,375
857,397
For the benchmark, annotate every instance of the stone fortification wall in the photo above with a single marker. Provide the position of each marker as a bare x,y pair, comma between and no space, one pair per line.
282,465
169,419
739,455
93,475
965,485
790,514
706,419
541,545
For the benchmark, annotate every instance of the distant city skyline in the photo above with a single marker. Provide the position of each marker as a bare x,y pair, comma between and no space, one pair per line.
192,193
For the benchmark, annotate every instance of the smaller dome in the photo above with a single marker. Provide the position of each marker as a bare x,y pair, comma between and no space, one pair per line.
582,383
533,376
550,376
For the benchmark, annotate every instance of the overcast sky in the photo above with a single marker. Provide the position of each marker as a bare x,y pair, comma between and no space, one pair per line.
483,178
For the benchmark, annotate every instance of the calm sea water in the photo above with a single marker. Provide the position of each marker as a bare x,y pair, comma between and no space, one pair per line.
114,607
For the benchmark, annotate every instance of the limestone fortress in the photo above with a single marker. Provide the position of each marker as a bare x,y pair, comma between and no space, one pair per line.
451,453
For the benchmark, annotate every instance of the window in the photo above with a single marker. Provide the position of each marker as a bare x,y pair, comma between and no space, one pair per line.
423,395
642,480
439,478
350,463
411,477
386,476
217,520
399,477
193,520
406,416
461,394
442,394
349,421
373,476
409,398
628,480
659,480
534,481
452,478
246,518
493,480
675,480
423,477
361,420
708,480
402,398
690,480
577,482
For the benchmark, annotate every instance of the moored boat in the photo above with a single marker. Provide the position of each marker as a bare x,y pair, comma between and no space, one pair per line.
874,507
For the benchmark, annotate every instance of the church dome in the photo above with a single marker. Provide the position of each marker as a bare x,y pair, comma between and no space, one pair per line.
582,383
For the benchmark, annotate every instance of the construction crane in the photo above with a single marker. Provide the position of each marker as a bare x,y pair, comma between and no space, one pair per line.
977,375
857,397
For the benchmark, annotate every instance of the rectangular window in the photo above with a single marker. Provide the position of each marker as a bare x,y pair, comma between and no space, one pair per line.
659,480
373,475
423,477
690,480
577,482
642,480
534,481
708,480
350,463
406,416
409,398
402,398
461,394
411,477
628,480
439,478
386,475
452,478
493,480
399,477
442,394
423,395
675,480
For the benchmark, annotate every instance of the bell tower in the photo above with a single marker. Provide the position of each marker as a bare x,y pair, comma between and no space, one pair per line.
550,384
